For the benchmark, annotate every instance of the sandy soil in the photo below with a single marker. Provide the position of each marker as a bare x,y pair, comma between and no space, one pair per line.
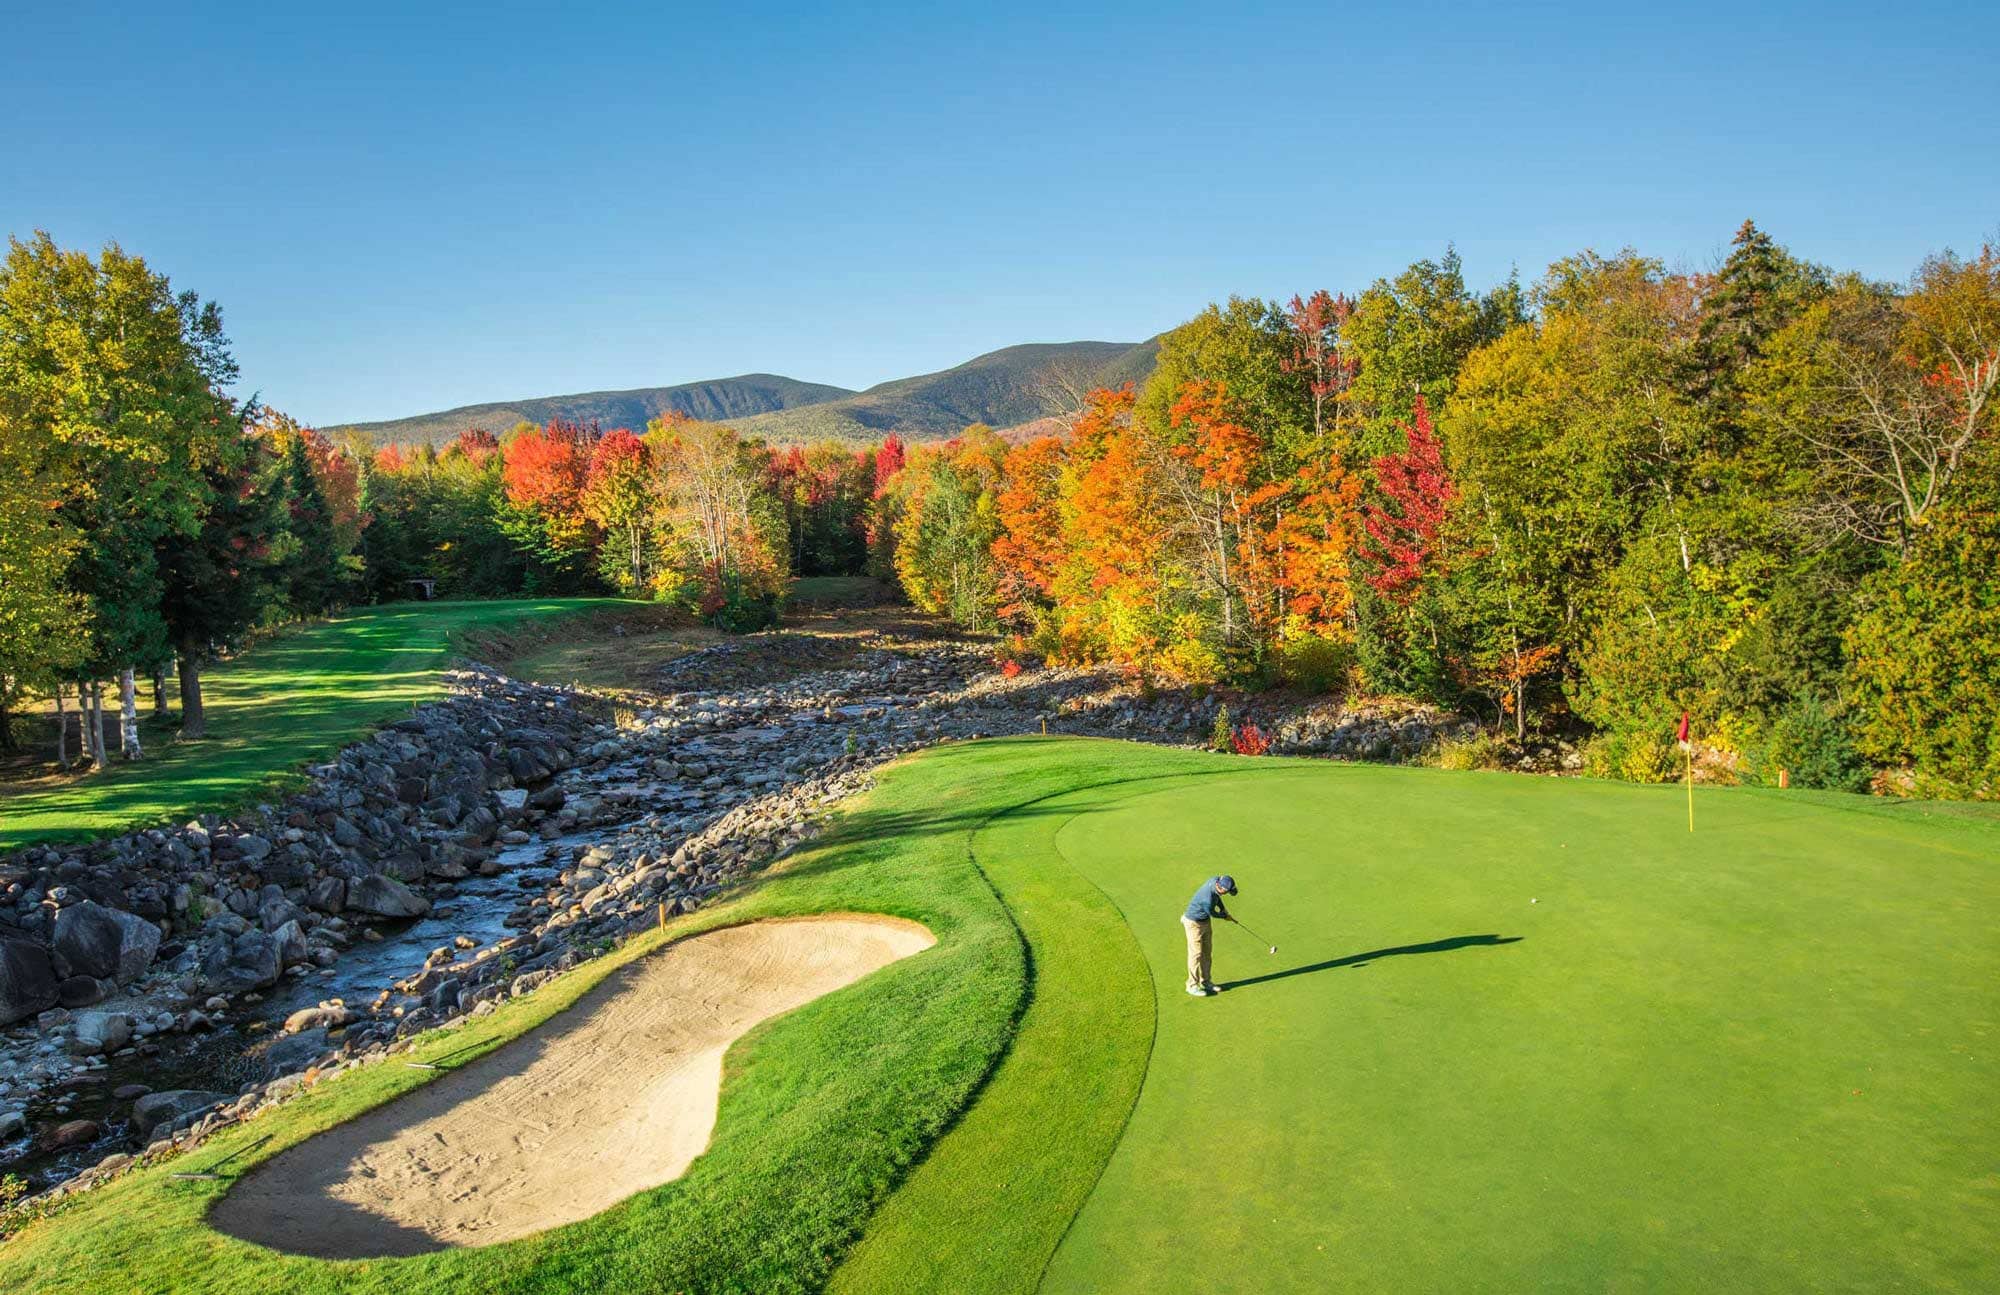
611,1097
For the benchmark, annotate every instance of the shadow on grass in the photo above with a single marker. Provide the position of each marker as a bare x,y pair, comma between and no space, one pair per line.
1363,959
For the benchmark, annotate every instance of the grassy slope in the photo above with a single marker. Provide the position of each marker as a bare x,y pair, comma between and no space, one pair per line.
293,698
823,1110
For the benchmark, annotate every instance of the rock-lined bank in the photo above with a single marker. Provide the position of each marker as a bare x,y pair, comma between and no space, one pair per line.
177,959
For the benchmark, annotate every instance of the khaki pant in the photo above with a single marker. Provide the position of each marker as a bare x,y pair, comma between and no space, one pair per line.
1198,950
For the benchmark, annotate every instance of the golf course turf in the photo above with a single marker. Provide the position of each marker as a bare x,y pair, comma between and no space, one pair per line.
1518,1034
296,696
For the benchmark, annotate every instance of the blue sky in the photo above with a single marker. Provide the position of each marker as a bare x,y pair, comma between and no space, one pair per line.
405,212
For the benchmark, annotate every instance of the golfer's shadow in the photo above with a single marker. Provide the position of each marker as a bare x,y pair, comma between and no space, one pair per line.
1363,959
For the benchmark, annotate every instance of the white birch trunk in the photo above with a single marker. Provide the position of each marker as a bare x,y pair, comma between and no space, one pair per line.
100,760
128,714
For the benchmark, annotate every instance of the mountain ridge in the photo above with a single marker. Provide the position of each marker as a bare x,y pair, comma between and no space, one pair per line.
1012,386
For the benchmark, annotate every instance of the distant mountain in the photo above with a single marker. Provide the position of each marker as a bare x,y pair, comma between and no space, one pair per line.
720,400
1002,389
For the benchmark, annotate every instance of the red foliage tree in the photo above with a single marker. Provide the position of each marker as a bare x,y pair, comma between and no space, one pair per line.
476,444
889,460
1316,322
546,470
1419,491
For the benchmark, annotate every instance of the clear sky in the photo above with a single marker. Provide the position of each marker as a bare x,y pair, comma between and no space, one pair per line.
404,212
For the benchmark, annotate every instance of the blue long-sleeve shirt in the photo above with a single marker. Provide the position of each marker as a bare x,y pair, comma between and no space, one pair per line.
1207,903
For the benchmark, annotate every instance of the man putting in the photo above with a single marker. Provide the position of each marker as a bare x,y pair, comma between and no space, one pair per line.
1206,904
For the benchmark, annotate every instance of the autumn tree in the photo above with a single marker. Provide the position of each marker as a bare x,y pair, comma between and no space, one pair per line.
1028,551
617,496
721,534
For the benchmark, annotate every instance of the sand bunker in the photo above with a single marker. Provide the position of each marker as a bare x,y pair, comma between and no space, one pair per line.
615,1095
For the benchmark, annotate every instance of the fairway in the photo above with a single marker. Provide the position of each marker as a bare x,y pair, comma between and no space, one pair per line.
1519,1034
294,697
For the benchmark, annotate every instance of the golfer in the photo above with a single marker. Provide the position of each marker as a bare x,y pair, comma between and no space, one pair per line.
1206,904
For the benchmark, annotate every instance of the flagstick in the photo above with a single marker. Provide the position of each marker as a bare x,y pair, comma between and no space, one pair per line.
1690,751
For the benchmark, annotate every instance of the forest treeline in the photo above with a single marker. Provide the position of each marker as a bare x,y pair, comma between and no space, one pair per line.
1766,495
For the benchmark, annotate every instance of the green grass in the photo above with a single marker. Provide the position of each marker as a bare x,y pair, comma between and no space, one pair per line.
1761,1057
823,1110
1756,1058
293,698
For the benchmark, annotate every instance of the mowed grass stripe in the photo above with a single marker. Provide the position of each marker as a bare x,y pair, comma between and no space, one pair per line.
989,1205
295,697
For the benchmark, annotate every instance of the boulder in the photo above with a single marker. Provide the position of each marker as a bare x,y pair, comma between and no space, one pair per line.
98,1032
153,1110
105,942
329,894
252,847
291,938
384,896
27,980
327,1016
294,1052
82,991
250,961
76,1133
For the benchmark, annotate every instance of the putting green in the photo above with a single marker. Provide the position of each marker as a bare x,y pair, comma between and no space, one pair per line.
1519,1034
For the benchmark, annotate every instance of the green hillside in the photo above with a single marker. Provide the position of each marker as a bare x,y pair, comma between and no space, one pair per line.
720,400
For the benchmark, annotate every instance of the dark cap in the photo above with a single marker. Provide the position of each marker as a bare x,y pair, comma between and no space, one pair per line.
1228,884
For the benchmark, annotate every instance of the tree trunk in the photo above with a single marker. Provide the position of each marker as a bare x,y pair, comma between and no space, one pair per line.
194,720
62,730
128,714
6,723
160,691
100,760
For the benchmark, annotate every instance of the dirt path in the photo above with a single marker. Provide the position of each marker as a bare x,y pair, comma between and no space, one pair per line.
615,1095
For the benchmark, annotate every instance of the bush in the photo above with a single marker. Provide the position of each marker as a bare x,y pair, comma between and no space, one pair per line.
1220,735
1314,663
731,604
1474,751
1633,757
1250,740
1809,740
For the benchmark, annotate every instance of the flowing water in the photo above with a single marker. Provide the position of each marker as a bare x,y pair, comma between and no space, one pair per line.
231,1055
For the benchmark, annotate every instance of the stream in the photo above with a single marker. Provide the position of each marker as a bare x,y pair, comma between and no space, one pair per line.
232,1055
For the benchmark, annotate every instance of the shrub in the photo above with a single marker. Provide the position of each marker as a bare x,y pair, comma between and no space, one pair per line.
1314,663
1809,740
1473,751
1220,736
732,604
1250,740
1633,757
1010,668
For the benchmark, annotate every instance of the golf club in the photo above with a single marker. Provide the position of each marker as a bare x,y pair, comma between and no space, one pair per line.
1253,935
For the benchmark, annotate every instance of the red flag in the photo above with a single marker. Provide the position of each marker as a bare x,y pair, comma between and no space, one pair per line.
1681,733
